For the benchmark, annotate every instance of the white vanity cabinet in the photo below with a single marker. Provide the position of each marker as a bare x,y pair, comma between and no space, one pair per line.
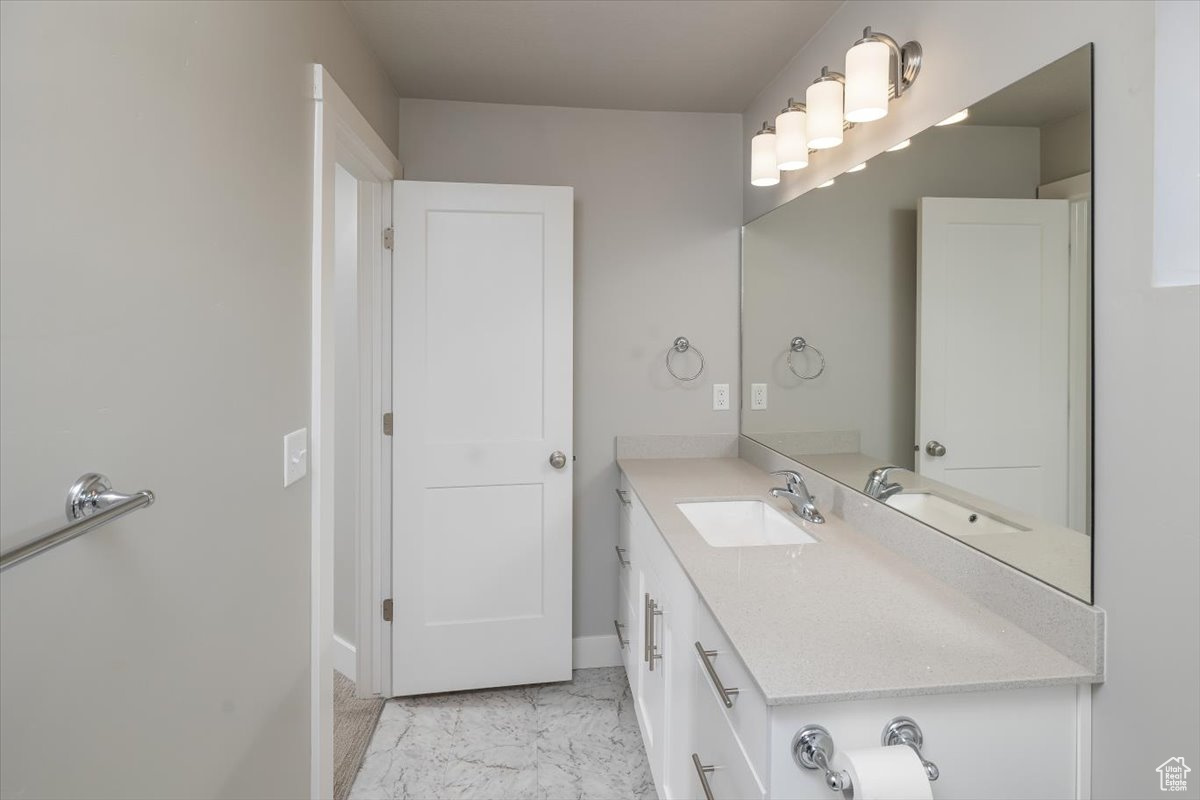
659,606
676,702
710,721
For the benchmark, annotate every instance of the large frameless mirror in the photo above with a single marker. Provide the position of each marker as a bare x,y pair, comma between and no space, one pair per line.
919,329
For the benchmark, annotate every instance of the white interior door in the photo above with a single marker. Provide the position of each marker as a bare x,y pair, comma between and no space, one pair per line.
992,349
481,398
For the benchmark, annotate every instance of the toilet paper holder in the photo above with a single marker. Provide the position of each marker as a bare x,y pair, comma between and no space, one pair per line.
812,747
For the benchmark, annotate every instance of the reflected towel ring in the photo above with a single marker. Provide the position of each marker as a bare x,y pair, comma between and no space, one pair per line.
682,345
799,345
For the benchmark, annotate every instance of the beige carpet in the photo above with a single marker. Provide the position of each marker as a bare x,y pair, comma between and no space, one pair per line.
353,723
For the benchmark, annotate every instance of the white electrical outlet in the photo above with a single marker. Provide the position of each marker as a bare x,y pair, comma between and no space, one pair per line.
758,396
720,397
295,456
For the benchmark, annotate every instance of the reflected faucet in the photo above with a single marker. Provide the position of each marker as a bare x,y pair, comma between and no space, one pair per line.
797,494
878,485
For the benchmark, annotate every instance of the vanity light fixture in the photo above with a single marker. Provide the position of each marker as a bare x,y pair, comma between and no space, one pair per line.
899,146
791,136
953,118
878,70
764,170
858,167
825,98
826,184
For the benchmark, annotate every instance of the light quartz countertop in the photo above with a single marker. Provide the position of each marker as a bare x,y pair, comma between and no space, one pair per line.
842,619
1053,553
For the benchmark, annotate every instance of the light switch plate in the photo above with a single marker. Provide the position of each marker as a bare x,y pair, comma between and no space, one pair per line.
758,396
295,456
720,397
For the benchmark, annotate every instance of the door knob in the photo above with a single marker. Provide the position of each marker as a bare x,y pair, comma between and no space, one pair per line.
935,448
558,459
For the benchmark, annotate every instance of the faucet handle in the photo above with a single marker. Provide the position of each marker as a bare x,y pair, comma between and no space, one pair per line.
791,476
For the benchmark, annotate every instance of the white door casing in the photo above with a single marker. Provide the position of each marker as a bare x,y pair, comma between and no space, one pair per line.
992,349
482,396
1077,191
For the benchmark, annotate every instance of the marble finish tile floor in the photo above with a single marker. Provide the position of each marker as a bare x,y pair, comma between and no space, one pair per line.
555,741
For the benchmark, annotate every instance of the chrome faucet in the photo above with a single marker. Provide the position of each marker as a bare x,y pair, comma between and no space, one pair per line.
878,485
797,494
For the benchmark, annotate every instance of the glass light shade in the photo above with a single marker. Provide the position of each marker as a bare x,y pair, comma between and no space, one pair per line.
899,145
824,101
791,140
953,118
867,81
763,169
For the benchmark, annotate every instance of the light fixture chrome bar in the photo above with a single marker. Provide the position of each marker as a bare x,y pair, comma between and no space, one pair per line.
905,63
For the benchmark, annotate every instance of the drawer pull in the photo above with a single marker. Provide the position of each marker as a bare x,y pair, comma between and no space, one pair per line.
621,559
650,653
707,656
702,771
623,496
621,639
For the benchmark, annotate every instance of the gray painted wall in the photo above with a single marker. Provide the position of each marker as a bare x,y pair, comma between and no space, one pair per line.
657,213
155,215
1147,448
839,267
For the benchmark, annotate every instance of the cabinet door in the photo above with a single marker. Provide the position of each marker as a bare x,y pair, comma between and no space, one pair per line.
652,681
676,665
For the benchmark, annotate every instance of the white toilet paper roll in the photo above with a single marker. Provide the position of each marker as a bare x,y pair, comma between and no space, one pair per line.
885,773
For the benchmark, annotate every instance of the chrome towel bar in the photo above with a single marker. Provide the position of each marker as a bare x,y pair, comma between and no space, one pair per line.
91,502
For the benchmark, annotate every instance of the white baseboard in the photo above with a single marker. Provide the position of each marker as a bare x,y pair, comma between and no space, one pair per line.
596,651
345,657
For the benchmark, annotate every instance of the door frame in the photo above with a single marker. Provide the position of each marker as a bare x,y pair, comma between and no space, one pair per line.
341,135
1077,190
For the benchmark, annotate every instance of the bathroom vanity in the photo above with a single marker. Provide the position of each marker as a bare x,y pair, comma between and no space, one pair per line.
734,645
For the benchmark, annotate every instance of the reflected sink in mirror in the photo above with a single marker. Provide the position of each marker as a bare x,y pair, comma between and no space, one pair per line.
742,523
954,518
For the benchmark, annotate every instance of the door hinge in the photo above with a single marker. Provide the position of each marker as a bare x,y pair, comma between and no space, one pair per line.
387,610
389,238
387,424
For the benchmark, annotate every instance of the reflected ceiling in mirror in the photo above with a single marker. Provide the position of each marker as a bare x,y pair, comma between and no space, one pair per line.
923,326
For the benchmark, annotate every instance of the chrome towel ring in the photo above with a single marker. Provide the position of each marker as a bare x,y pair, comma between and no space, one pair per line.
798,345
682,345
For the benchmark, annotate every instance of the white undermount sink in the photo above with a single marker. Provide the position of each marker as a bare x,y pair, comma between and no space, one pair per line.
949,516
742,523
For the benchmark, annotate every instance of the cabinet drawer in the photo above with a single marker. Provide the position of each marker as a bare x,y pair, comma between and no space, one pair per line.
728,773
623,553
631,632
747,710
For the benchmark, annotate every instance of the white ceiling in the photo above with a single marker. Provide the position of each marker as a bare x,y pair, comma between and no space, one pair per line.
668,55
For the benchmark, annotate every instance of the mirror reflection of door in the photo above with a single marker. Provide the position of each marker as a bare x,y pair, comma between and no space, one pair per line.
992,352
947,282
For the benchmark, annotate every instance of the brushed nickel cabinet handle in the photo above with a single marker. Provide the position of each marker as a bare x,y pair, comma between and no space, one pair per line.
650,652
623,496
706,656
703,771
621,559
